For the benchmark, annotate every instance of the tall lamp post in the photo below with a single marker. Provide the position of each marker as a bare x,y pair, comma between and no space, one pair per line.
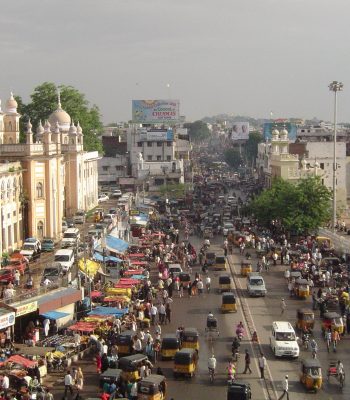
335,87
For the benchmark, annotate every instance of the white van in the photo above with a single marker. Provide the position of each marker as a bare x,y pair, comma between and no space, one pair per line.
283,340
70,237
66,258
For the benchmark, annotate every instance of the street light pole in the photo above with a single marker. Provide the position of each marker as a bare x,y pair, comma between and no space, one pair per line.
335,87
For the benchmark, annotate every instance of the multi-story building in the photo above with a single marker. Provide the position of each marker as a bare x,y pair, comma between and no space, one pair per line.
58,176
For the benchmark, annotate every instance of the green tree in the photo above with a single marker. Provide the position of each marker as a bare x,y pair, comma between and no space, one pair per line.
300,208
232,158
251,147
197,130
44,102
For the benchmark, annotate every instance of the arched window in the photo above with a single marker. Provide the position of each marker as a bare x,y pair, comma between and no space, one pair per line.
39,190
15,188
40,230
66,140
8,189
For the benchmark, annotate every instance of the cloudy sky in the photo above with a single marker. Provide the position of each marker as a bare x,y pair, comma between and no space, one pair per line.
244,57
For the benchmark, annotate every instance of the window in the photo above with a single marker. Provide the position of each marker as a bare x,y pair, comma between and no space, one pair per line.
40,229
168,158
139,144
39,190
149,158
105,168
159,144
159,158
149,144
169,144
322,165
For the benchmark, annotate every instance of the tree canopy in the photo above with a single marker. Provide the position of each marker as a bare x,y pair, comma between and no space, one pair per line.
197,130
44,102
233,158
299,208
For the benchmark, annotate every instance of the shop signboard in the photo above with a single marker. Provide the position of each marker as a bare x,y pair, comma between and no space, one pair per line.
155,111
24,309
7,320
134,212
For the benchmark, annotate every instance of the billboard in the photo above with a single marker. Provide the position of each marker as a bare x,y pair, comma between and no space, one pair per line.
155,111
240,131
270,126
157,135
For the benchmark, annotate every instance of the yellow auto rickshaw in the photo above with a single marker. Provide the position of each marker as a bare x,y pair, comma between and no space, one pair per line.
130,366
228,303
124,342
185,362
333,321
152,387
246,267
169,346
190,338
305,319
302,288
98,214
225,283
311,374
220,263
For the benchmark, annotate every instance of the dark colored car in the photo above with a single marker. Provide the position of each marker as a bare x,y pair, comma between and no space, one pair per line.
47,245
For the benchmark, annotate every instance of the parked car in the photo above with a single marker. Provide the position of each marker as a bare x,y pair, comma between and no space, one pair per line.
116,194
103,197
47,244
7,275
79,217
52,272
30,251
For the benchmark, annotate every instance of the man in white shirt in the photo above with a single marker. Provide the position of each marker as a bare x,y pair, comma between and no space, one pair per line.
138,346
153,312
68,383
285,388
5,384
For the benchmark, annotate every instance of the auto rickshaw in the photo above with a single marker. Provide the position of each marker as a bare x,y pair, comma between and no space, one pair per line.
246,267
130,366
311,374
302,288
210,258
239,391
225,283
124,342
220,263
185,279
185,362
98,215
190,338
305,319
152,387
333,321
208,232
228,303
169,346
110,375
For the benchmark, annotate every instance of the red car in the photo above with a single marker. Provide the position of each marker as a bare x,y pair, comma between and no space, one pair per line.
7,275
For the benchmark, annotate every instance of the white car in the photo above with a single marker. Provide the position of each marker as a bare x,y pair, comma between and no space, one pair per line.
175,269
283,340
227,226
256,285
103,197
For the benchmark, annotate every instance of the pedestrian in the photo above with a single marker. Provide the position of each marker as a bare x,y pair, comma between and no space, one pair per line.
285,388
200,287
79,381
314,300
133,391
17,277
98,363
247,362
68,384
262,364
161,313
335,339
46,325
283,306
5,384
168,313
154,312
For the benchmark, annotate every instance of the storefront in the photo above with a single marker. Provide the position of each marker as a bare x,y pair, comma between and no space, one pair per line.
7,321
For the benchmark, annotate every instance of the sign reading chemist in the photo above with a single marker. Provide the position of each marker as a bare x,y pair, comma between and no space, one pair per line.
155,111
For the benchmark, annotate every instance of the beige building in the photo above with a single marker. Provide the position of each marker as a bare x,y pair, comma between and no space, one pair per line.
58,176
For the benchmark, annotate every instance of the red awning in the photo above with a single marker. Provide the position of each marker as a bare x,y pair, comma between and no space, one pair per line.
133,272
83,327
137,262
96,293
136,255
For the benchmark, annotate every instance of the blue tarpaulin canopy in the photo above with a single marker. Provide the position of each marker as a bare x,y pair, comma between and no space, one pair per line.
99,257
54,315
116,244
108,311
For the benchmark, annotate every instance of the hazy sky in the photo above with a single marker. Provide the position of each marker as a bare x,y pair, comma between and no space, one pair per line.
219,56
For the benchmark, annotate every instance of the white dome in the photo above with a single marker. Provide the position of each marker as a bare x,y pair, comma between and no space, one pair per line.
73,129
11,104
40,129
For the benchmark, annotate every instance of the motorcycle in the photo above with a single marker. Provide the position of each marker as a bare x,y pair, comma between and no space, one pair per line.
306,340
